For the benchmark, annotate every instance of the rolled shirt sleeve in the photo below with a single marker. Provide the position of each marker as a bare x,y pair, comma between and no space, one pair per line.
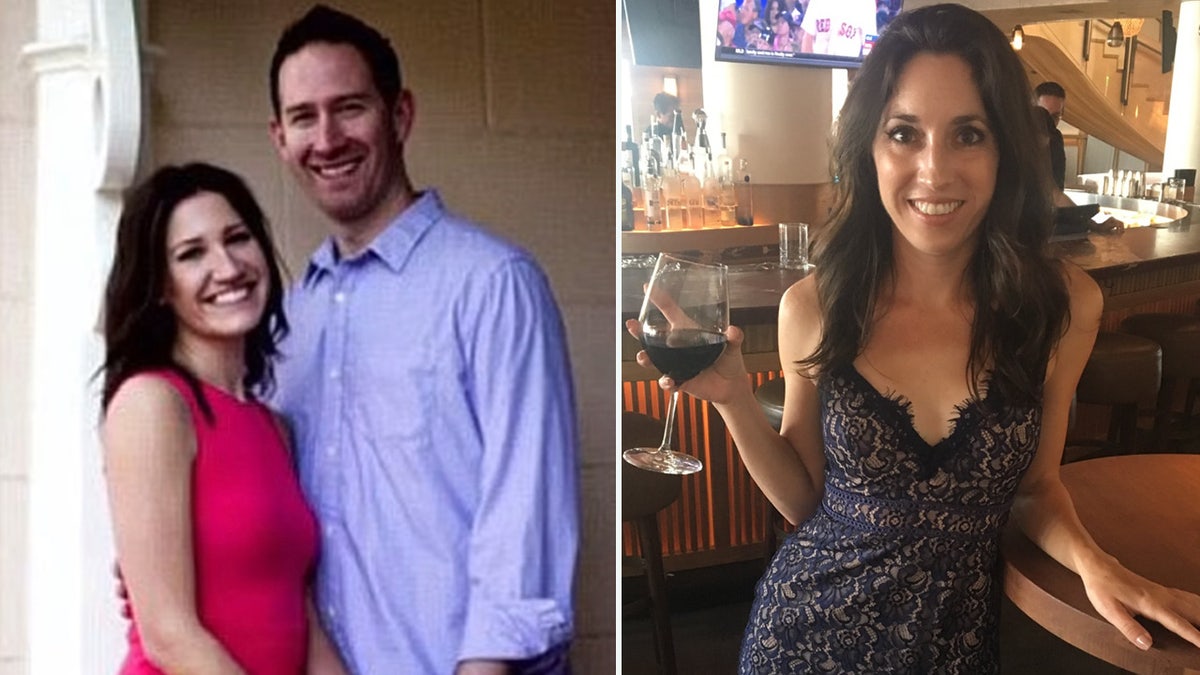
524,535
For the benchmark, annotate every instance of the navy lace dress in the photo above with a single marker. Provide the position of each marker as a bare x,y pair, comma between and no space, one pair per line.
896,572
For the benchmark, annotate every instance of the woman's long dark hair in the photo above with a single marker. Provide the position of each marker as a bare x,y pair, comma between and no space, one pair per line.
139,329
1020,297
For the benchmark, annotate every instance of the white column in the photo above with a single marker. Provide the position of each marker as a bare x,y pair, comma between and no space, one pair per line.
88,120
1183,126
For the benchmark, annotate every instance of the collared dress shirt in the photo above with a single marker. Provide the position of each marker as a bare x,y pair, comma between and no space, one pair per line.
429,391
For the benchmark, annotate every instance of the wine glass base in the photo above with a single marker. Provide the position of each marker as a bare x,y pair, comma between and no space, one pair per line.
662,461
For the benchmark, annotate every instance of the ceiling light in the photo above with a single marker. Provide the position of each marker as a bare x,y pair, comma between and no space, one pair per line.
1018,37
1116,36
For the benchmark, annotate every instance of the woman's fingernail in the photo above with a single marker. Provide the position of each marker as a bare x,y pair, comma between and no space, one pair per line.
1143,642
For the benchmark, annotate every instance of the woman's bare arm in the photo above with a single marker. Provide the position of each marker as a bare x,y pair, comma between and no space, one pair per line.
1044,510
789,465
149,447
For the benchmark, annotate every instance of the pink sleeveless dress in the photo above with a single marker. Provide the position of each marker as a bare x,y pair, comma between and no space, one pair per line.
254,538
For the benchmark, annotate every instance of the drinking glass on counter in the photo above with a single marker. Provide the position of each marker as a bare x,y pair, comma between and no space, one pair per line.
1172,190
793,246
683,320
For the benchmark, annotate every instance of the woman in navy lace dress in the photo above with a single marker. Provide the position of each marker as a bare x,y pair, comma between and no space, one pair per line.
930,363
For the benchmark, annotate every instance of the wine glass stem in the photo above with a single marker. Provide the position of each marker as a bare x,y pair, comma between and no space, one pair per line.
670,425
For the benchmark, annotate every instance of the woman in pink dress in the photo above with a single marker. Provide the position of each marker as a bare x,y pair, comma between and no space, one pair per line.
215,543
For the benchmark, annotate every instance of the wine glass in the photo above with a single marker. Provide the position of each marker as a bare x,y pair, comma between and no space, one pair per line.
683,320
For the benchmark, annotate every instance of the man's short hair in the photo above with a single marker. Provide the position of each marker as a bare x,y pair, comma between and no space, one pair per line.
665,104
325,24
1050,89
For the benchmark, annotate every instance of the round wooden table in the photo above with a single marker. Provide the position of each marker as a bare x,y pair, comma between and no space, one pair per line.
1145,511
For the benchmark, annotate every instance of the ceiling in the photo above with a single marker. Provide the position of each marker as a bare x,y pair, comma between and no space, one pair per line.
1089,110
1011,12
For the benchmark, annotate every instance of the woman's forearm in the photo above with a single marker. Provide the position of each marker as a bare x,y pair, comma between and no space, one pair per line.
181,646
771,460
1046,514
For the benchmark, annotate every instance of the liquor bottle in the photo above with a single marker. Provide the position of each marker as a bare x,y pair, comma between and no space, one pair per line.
652,188
682,149
710,187
629,155
626,204
701,119
631,176
672,190
727,196
744,213
677,135
693,195
652,145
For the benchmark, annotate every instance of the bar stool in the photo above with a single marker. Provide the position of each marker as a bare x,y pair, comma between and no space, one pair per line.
1122,371
770,398
1179,336
643,495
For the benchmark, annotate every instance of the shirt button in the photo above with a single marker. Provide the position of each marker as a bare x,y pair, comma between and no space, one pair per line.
339,297
331,611
335,374
328,530
330,451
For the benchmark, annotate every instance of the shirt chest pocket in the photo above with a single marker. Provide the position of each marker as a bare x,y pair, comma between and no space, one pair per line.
395,400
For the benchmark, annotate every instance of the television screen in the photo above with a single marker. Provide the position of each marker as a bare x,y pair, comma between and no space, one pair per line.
828,33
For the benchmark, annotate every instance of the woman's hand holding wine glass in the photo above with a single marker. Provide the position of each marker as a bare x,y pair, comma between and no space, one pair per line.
718,383
682,328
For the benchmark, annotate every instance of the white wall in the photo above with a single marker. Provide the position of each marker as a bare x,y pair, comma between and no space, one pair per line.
16,242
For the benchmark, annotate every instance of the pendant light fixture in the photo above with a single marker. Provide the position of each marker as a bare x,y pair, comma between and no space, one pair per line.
1116,35
1018,37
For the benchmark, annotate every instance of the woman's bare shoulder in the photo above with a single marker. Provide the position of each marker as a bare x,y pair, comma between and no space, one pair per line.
145,405
1086,299
145,390
801,299
799,320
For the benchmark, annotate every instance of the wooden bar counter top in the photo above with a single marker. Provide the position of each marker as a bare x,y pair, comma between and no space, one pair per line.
1134,267
1141,509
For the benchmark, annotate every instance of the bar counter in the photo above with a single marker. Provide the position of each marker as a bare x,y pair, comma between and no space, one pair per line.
722,516
1133,267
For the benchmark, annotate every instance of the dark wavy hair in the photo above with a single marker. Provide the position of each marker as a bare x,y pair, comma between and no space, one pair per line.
139,330
325,24
1020,297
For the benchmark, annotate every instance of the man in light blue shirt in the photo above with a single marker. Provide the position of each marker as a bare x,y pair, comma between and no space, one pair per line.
427,383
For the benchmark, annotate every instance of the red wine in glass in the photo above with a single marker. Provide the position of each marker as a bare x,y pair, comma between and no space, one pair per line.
683,321
681,354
